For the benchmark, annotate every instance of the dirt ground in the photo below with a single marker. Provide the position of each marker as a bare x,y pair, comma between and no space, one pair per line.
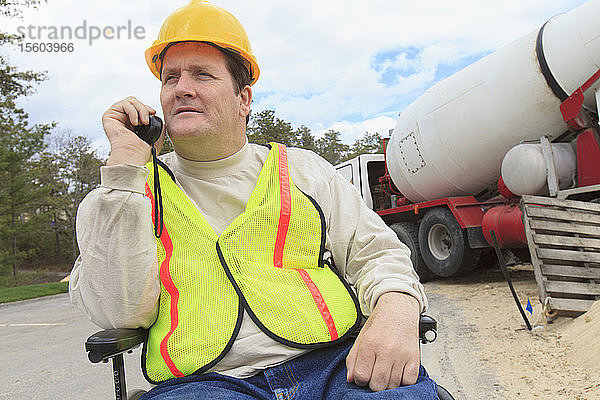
558,360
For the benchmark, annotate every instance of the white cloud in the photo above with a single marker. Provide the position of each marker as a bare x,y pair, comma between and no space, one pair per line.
316,57
355,130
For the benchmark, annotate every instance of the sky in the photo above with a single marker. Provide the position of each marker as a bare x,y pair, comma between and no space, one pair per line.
349,65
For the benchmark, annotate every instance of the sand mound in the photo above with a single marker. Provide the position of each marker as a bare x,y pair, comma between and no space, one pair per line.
583,333
541,364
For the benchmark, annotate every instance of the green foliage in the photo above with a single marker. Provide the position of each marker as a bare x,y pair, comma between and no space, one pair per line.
18,293
68,170
331,148
167,146
264,127
24,278
15,83
20,146
42,182
305,139
13,8
370,143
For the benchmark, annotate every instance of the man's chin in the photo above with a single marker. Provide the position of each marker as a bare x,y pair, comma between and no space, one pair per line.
188,129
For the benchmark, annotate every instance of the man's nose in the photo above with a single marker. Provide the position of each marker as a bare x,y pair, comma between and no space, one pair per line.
184,86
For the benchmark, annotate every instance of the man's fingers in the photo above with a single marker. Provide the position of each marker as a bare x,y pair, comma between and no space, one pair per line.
389,337
396,376
129,112
410,374
382,370
350,361
142,111
132,113
363,366
119,121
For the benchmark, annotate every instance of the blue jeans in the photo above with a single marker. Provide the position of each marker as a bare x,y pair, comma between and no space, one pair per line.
319,374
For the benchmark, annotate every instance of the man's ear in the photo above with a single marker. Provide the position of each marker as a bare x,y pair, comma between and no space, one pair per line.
245,101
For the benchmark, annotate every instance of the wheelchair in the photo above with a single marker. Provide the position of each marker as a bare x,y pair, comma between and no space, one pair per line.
111,344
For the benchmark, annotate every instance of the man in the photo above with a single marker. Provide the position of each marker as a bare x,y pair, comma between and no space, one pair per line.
244,291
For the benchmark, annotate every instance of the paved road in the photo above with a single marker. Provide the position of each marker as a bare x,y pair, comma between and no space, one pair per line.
452,359
43,355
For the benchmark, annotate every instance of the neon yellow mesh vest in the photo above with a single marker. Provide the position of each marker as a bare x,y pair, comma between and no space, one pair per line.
269,261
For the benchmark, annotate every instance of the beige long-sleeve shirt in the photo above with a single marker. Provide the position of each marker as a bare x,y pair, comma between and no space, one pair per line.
116,282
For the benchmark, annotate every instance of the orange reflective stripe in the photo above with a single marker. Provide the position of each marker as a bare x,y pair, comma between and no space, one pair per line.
320,302
285,208
282,230
167,281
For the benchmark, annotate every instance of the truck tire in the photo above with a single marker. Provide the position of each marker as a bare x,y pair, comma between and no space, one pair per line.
408,233
444,245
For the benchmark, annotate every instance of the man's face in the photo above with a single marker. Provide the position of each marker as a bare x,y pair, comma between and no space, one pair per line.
198,99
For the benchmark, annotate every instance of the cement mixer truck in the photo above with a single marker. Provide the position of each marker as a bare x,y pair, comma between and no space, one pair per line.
520,122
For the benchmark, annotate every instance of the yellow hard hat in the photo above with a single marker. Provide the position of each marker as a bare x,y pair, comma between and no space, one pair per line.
202,21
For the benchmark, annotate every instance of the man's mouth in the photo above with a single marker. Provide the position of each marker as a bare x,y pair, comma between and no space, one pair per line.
186,109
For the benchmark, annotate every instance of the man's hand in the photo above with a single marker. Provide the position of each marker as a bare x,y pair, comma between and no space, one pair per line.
386,353
118,122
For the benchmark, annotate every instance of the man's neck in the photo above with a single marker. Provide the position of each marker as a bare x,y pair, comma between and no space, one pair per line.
192,150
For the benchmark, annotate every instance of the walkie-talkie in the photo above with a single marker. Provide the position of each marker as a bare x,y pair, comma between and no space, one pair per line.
151,132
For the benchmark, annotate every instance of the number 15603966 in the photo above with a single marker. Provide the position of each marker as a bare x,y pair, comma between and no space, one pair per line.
47,47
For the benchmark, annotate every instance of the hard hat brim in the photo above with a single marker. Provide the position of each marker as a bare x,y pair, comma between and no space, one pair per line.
154,59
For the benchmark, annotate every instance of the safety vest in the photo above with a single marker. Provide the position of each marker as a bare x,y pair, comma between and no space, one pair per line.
268,261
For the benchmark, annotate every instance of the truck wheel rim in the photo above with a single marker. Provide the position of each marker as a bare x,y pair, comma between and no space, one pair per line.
439,241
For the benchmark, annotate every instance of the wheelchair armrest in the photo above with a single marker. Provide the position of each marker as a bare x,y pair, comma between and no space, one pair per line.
427,329
109,343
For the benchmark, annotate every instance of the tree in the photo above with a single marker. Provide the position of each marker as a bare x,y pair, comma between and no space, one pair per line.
331,148
15,83
167,146
370,143
64,173
47,238
264,127
20,144
305,139
77,169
